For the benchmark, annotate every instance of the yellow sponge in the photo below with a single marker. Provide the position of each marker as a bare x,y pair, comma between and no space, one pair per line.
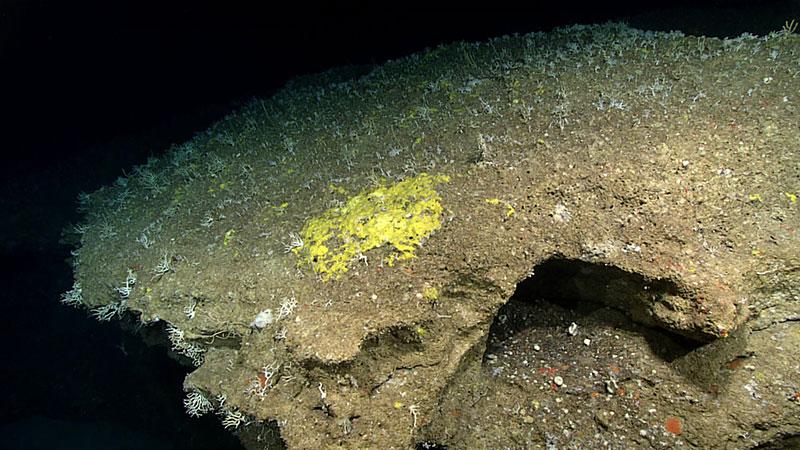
402,215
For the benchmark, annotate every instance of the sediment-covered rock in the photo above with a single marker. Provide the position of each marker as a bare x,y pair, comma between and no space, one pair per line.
332,259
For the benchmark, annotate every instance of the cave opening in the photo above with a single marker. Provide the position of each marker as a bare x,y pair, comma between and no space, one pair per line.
563,296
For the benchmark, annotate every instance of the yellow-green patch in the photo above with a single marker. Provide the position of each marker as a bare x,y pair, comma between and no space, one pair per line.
402,215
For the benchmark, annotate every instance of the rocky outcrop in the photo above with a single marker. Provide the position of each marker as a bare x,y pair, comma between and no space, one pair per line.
334,259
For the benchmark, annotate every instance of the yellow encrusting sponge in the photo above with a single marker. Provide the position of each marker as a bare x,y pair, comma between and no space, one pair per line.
402,215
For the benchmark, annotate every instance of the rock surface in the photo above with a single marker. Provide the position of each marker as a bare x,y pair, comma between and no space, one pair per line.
641,185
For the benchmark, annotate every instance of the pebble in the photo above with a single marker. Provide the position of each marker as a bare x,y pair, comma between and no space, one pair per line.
573,329
603,418
558,380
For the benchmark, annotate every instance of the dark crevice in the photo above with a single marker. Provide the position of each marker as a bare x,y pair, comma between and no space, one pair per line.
430,446
584,289
790,442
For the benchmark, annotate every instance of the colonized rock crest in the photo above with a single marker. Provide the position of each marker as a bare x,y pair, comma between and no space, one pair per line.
651,176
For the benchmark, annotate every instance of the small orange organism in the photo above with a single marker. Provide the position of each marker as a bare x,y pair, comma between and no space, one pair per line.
673,425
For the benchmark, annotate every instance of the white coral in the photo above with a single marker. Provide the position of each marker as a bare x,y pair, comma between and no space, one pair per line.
191,350
287,307
197,404
74,296
233,418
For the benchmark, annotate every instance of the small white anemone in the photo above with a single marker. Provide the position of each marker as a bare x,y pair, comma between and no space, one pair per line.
262,319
